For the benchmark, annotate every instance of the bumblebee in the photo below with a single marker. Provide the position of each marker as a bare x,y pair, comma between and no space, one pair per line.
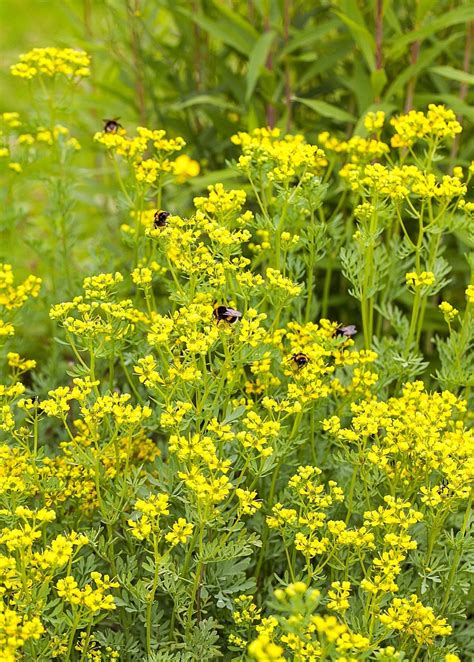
225,314
159,219
112,126
443,489
346,331
300,359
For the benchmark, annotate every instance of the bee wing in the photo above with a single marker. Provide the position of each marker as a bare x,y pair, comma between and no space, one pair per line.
350,330
233,312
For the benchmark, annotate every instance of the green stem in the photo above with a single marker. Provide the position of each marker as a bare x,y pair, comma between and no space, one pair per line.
327,288
197,578
75,623
151,595
457,553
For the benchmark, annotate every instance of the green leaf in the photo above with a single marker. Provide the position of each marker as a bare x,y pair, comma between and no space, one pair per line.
327,109
459,15
450,100
236,19
326,63
351,15
202,100
453,74
307,37
257,60
426,58
360,85
223,30
378,78
202,181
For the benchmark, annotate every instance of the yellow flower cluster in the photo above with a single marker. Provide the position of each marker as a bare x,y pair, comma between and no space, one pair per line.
180,532
281,158
374,121
148,154
69,62
14,296
102,286
15,630
470,293
448,311
150,509
99,314
417,281
358,148
415,436
298,633
398,182
18,364
92,599
11,119
61,551
258,434
324,352
148,522
184,168
411,617
248,504
438,123
220,202
339,596
304,526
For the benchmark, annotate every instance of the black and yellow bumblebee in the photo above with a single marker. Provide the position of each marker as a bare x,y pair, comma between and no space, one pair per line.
226,314
443,489
346,331
160,219
112,126
300,359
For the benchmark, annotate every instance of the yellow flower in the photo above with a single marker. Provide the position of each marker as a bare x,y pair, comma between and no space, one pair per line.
470,293
69,62
184,168
438,123
181,530
248,503
423,279
448,311
411,617
373,122
339,595
16,167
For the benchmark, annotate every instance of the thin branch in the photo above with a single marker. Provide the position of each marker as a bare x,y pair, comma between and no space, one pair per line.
270,112
378,34
463,88
414,54
286,35
134,14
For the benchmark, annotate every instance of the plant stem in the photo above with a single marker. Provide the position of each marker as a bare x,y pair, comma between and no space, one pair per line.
151,595
457,553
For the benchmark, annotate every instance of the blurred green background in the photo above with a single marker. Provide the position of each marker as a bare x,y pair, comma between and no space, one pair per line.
204,68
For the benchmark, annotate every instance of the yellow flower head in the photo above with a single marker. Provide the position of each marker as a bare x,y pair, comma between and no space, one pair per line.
69,62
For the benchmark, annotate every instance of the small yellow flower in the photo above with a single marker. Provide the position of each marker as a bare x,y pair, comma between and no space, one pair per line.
423,279
184,168
470,293
448,311
181,530
373,122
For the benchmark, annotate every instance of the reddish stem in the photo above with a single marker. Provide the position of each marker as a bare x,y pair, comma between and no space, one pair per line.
463,88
